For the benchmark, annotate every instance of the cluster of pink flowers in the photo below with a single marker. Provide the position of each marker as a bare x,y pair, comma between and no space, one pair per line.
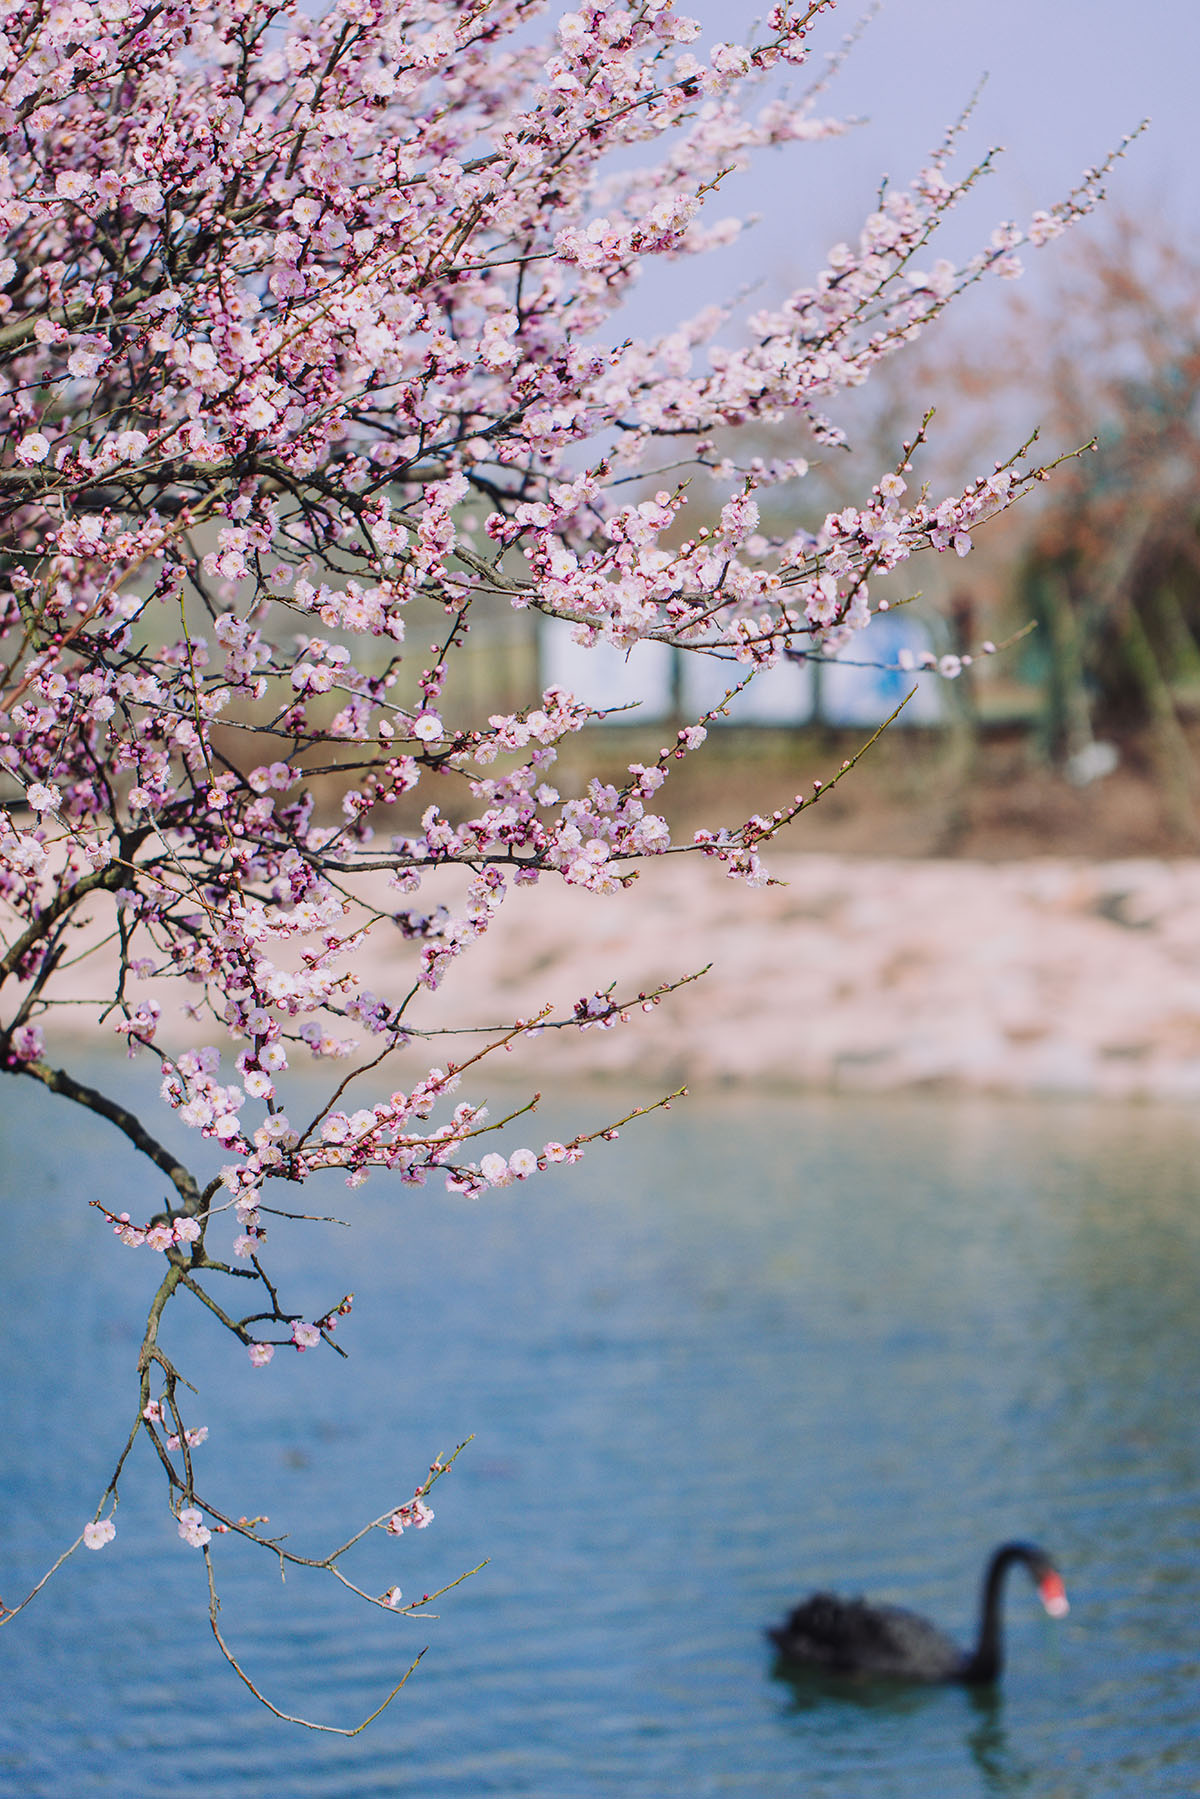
501,1171
163,1234
414,1515
193,1438
192,1527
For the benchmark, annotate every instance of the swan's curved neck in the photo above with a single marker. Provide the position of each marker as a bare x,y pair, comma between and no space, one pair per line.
987,1658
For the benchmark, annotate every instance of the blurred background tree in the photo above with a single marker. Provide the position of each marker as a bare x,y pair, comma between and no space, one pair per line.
1112,568
1108,566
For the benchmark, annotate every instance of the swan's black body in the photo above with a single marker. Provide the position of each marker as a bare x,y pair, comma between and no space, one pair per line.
847,1636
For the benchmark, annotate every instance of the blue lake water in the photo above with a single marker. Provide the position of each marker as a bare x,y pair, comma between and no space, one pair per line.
755,1347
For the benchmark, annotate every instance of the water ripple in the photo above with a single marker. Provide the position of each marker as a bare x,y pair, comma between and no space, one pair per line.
761,1348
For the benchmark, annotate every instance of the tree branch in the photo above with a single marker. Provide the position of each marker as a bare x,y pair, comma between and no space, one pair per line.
59,1081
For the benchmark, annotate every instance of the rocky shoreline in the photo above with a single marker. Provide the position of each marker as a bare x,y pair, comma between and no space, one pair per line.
1031,977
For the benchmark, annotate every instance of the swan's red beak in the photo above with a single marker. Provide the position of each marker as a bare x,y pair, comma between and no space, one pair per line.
1053,1595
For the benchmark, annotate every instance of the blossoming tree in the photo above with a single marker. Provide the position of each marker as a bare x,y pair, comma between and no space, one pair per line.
308,327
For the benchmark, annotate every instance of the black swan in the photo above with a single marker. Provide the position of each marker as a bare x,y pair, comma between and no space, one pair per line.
847,1636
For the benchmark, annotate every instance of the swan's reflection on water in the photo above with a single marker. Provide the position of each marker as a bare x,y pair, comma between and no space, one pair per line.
809,1688
1002,1770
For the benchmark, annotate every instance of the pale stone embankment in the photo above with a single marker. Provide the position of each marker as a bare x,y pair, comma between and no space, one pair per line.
1033,977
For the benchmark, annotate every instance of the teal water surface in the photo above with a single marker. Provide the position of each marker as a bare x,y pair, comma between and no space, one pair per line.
754,1347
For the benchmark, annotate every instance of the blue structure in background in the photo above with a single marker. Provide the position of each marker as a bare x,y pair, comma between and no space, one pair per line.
854,690
783,695
652,682
606,677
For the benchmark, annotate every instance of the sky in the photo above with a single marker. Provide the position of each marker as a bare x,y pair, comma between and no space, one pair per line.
1066,81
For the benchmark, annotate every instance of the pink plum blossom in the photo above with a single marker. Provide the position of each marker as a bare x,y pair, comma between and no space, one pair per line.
28,1043
414,1515
193,1438
192,1527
